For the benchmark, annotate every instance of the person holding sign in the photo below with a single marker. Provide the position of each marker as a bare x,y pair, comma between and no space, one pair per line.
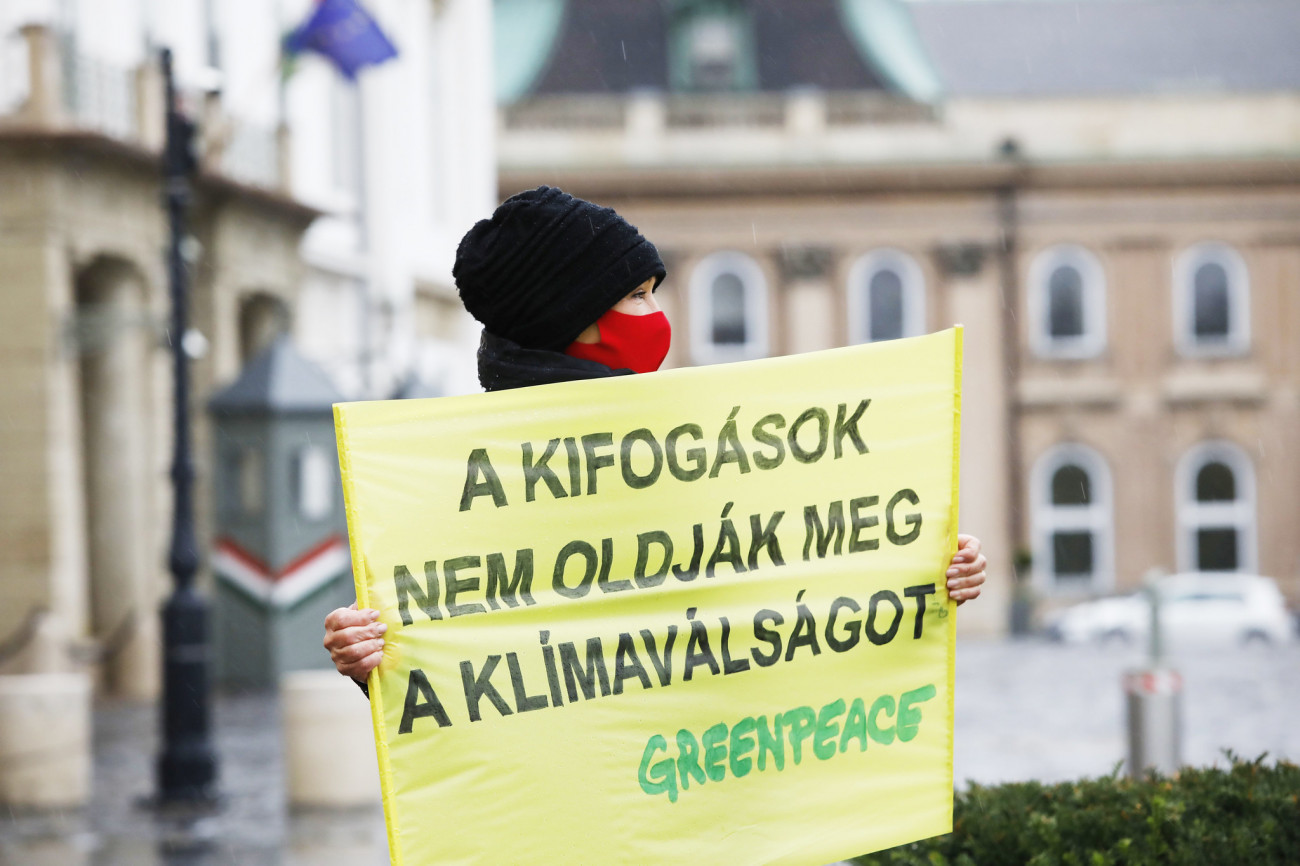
565,291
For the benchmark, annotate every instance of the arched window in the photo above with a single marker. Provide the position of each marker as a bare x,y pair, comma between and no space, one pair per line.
1067,303
262,318
1216,509
728,309
886,297
1073,520
1211,301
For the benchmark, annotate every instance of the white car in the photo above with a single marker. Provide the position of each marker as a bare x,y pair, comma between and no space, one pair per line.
1196,609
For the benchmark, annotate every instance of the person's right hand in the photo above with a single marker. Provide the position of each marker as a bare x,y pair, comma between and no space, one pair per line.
355,640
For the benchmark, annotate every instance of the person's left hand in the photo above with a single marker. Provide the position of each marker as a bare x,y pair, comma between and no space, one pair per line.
966,570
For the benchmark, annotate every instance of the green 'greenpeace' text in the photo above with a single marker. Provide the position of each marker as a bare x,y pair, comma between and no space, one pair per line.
757,743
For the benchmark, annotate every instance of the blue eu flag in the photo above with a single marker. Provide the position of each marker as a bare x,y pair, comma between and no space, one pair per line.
345,33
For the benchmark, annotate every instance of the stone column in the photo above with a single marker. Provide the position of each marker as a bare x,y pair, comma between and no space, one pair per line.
45,727
645,120
805,113
122,564
328,742
973,300
44,106
808,301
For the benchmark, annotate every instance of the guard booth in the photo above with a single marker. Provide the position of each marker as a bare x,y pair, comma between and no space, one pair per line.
280,555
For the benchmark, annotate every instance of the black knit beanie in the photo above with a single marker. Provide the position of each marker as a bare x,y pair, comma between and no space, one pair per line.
547,265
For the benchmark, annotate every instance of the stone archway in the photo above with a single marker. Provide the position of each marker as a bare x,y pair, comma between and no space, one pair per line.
114,336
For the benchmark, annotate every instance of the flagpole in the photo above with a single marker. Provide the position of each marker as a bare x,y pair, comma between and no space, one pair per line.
363,244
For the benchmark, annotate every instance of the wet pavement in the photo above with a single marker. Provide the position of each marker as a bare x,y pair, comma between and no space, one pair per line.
251,825
1025,710
1043,711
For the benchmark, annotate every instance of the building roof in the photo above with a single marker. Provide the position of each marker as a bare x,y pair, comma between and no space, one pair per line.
1098,47
277,380
615,46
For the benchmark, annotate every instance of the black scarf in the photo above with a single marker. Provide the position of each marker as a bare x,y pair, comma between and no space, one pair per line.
504,364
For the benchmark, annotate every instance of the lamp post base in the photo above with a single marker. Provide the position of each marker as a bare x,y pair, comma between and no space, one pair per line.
187,767
187,776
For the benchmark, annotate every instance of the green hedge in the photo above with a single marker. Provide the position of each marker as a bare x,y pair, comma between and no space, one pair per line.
1248,813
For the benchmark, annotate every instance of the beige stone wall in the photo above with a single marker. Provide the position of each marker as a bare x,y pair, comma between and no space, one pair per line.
1138,404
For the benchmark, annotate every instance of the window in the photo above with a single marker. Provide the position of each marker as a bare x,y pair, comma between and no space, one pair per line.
886,297
711,47
252,474
728,299
1211,301
728,309
1073,521
1216,509
1067,304
313,482
240,485
345,145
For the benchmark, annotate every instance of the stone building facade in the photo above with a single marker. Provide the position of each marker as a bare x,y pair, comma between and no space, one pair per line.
1122,244
322,208
88,393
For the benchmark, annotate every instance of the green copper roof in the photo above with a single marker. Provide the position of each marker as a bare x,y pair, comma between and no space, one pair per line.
523,34
617,46
888,39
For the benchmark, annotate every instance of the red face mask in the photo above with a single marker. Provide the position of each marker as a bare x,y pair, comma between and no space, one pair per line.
639,343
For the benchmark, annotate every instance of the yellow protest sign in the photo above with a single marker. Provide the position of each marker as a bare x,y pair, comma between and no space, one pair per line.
695,616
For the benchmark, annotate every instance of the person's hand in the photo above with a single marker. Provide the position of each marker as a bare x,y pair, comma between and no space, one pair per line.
966,570
355,640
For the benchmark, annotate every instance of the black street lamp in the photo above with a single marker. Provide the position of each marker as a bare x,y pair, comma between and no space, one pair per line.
187,765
